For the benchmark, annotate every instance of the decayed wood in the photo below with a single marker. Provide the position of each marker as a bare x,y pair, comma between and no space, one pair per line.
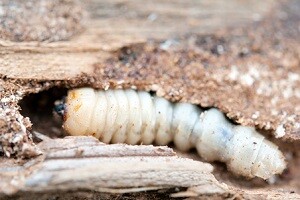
114,24
238,193
85,163
236,70
209,69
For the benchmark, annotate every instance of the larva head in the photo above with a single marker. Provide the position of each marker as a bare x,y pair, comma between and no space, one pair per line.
78,109
60,107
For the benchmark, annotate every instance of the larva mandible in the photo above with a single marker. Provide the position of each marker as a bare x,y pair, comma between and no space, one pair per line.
129,116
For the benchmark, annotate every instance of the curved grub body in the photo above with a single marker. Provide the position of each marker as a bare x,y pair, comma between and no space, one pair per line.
136,117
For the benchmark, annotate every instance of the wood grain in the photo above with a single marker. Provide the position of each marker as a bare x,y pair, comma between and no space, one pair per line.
85,163
114,24
220,44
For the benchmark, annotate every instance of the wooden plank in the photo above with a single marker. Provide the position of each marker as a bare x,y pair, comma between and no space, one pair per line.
239,56
106,31
85,163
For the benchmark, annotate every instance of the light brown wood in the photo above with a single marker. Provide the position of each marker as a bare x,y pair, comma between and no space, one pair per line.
81,164
114,24
85,163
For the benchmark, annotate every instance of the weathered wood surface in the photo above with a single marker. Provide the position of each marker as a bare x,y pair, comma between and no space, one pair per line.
134,43
78,163
209,59
84,163
114,24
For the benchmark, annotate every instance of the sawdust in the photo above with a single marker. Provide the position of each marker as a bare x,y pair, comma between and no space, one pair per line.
40,20
15,137
251,74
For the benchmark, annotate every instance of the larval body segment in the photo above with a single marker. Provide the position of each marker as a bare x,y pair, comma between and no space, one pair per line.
136,117
184,118
215,136
113,110
135,121
122,119
148,117
163,116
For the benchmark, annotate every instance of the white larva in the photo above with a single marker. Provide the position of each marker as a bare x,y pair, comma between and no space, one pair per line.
136,117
